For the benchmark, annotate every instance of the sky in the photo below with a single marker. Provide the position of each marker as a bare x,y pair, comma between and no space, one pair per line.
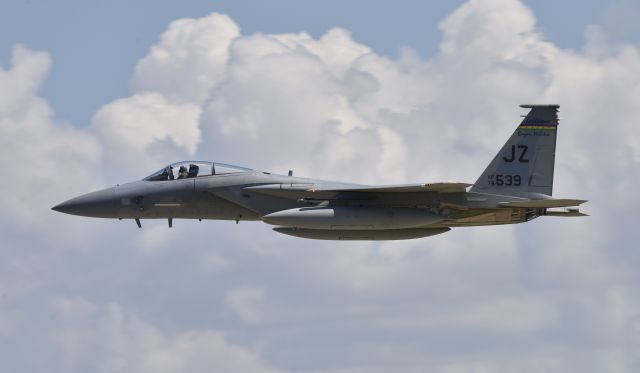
84,37
93,94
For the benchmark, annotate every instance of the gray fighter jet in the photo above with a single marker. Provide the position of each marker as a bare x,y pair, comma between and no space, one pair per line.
516,187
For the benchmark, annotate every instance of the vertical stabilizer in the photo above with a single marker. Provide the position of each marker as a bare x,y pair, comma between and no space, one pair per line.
526,161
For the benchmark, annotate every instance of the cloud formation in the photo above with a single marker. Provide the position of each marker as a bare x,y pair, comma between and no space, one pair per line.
37,148
116,340
548,295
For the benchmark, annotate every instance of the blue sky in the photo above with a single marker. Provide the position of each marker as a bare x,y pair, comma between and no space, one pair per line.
95,44
94,94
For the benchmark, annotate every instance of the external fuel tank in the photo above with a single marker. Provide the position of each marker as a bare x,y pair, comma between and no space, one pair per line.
353,218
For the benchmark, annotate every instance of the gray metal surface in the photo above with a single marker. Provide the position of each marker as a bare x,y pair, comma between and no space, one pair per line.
353,218
360,235
516,187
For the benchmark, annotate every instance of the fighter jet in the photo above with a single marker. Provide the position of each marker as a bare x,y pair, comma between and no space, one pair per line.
516,187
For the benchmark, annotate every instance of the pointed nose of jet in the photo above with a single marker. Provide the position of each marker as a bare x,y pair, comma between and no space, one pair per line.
100,204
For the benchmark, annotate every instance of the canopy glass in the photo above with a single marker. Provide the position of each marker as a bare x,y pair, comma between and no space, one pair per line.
190,169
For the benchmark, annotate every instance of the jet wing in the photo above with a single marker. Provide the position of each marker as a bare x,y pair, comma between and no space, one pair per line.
403,188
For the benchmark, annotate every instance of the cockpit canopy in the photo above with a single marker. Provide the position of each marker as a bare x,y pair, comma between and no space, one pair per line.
189,169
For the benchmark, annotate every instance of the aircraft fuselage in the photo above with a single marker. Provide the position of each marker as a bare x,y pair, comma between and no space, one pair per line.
514,188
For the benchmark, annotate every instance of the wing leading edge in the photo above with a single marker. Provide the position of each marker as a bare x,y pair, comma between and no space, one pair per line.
402,188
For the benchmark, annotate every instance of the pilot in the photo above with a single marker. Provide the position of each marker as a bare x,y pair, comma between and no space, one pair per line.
183,173
193,170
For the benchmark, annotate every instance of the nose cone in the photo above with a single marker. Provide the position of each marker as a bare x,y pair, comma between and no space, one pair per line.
100,204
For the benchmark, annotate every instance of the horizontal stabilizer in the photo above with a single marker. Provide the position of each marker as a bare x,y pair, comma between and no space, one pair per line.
544,203
566,213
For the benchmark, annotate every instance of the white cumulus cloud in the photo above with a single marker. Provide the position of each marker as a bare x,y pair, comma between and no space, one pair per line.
111,338
553,295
